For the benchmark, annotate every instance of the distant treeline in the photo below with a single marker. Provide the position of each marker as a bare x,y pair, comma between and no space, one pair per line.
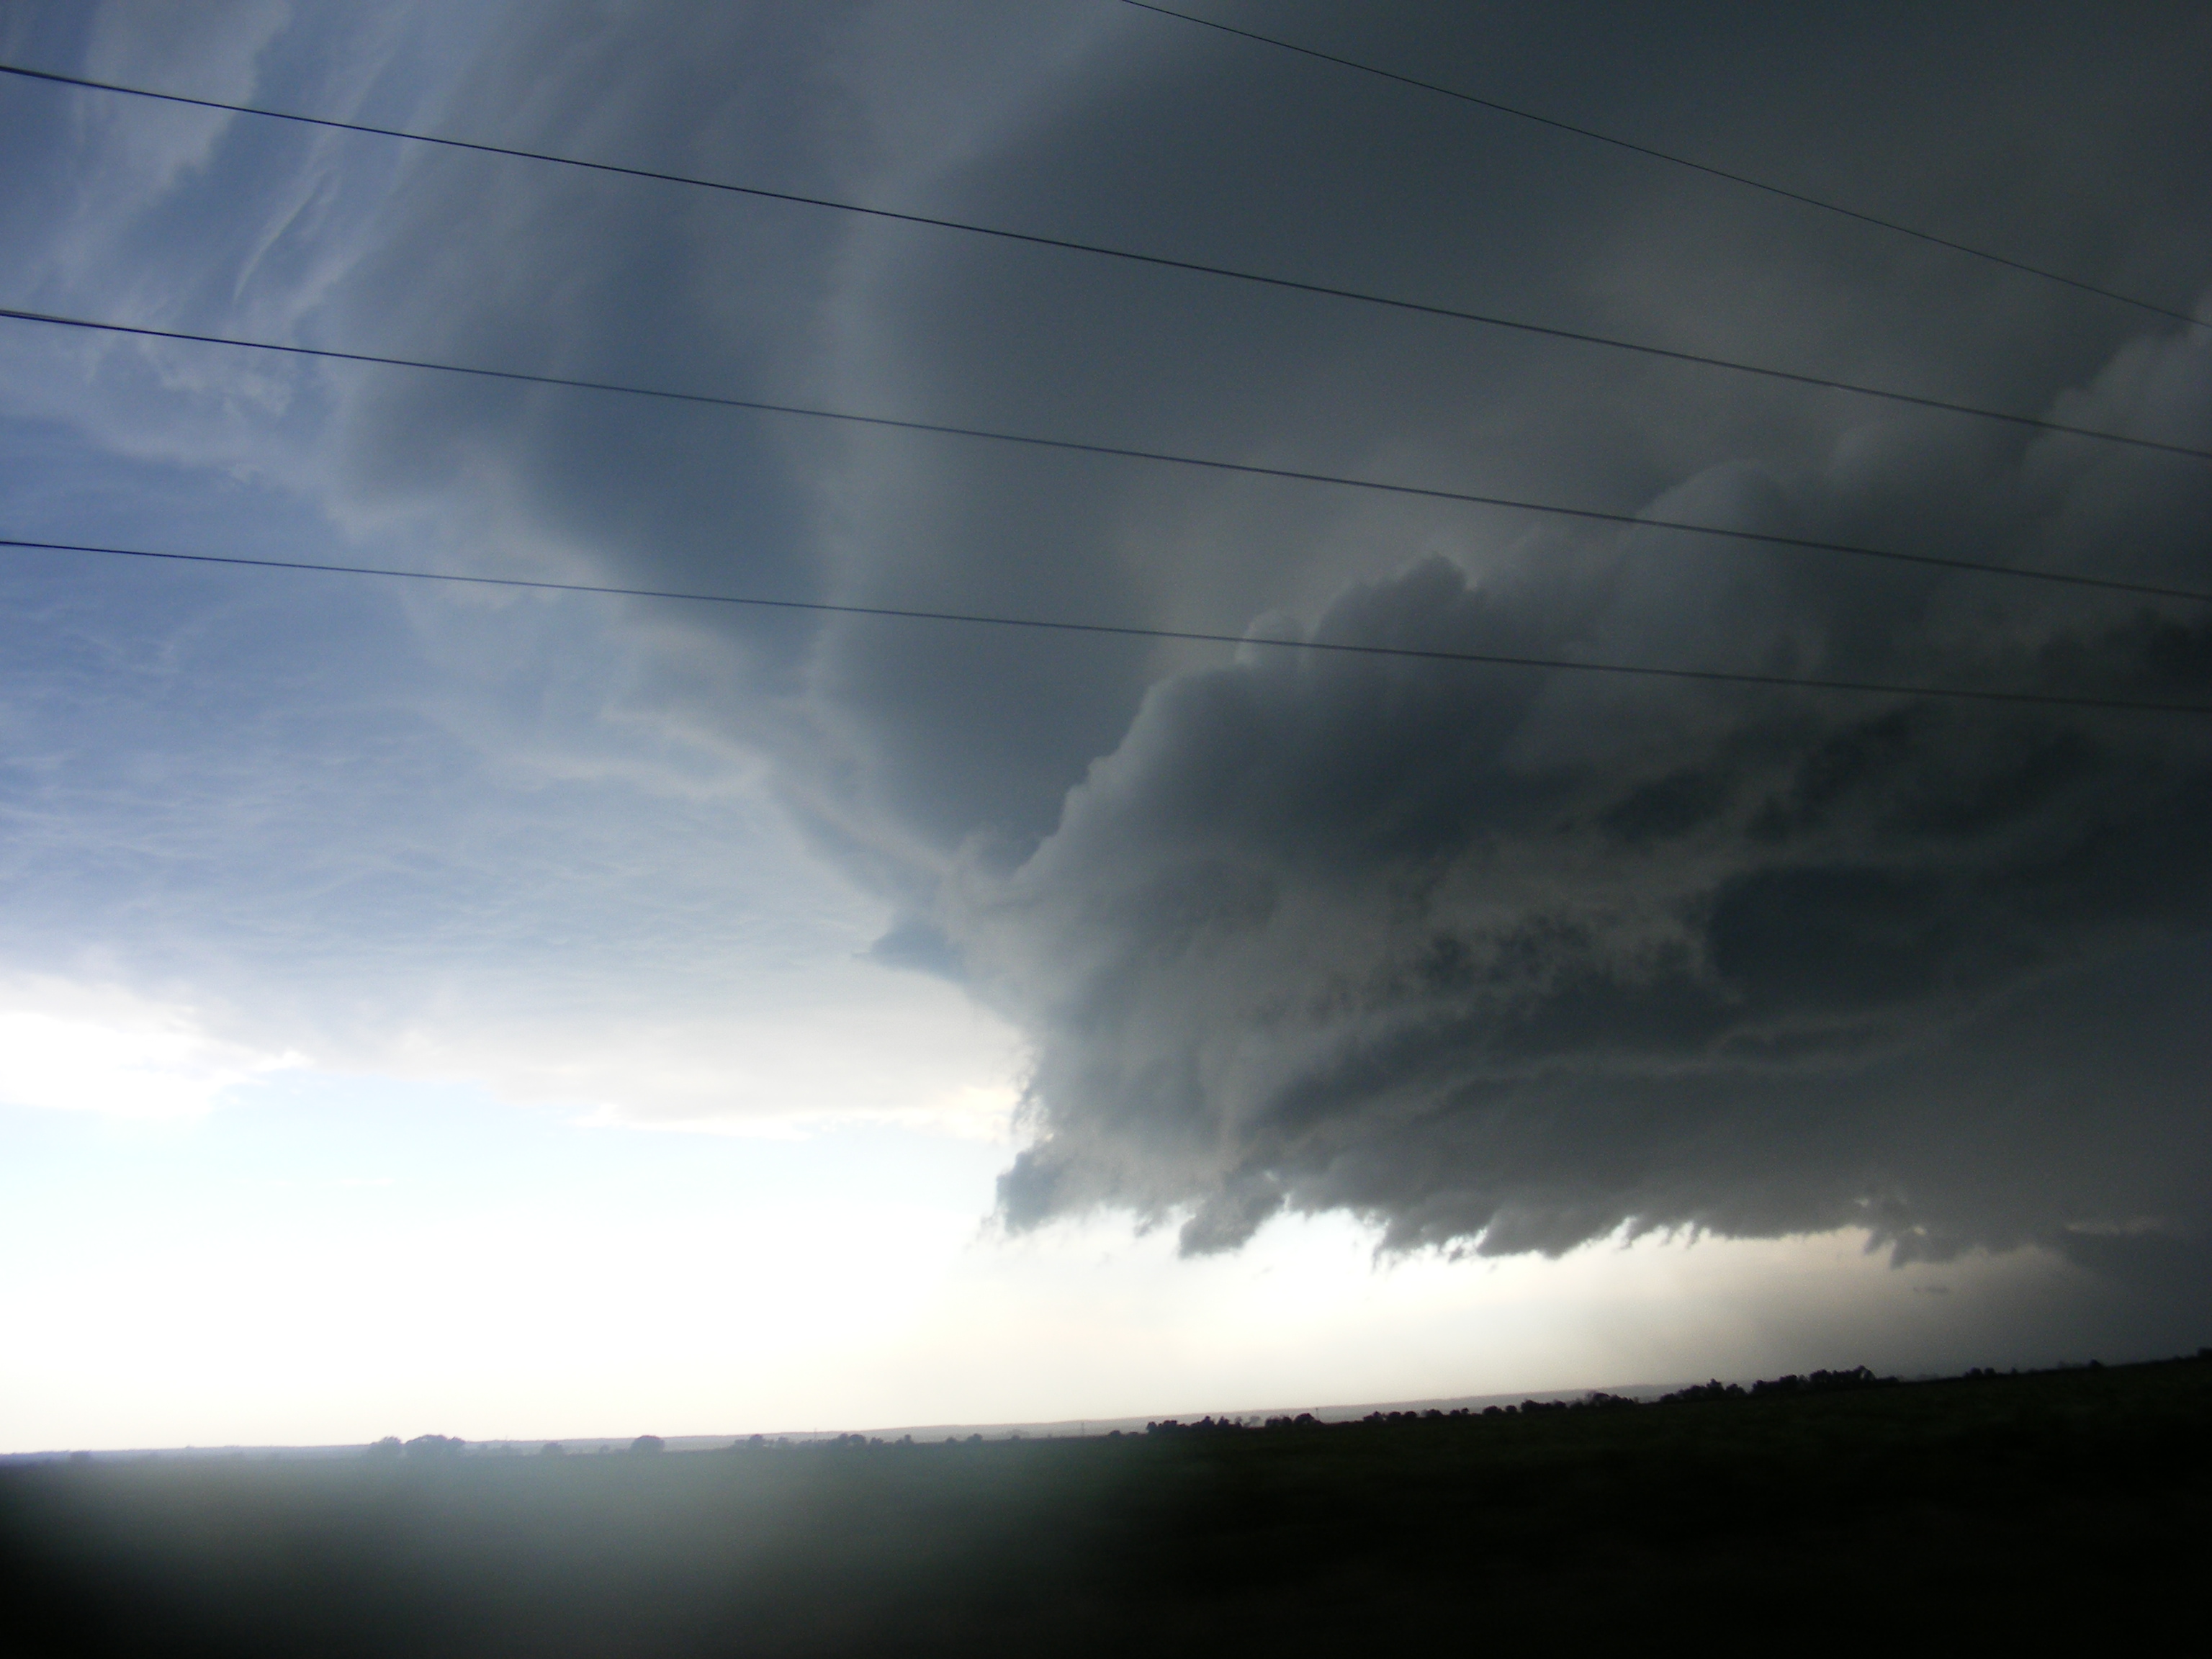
1818,1382
450,1445
1858,1377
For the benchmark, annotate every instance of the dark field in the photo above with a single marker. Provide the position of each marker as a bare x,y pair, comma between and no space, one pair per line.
2069,1506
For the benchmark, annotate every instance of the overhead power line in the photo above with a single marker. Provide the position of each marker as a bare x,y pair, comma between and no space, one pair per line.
1581,337
1485,658
1631,145
1116,452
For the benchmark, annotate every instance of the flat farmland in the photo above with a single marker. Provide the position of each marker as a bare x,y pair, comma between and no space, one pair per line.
2016,1508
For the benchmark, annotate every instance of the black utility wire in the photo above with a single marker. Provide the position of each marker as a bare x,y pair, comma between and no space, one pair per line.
1702,360
1486,658
1631,145
1076,445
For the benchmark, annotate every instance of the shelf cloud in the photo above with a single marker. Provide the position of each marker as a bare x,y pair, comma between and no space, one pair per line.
1501,959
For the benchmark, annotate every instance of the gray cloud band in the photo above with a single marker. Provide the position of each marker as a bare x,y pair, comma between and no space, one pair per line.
1513,966
1333,937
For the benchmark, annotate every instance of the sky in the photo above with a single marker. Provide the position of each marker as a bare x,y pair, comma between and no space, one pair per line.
507,1012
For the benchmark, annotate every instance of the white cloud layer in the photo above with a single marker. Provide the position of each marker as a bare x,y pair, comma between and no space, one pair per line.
74,1048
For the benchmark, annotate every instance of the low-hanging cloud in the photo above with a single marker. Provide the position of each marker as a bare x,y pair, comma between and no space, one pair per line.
1514,959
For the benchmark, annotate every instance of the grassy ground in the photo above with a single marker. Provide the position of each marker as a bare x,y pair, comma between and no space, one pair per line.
2062,1505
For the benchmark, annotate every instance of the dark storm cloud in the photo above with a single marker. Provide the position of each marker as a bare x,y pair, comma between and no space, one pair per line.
1498,957
1485,954
1482,955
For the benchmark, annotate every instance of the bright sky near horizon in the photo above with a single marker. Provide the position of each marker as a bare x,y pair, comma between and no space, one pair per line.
338,1259
515,1014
